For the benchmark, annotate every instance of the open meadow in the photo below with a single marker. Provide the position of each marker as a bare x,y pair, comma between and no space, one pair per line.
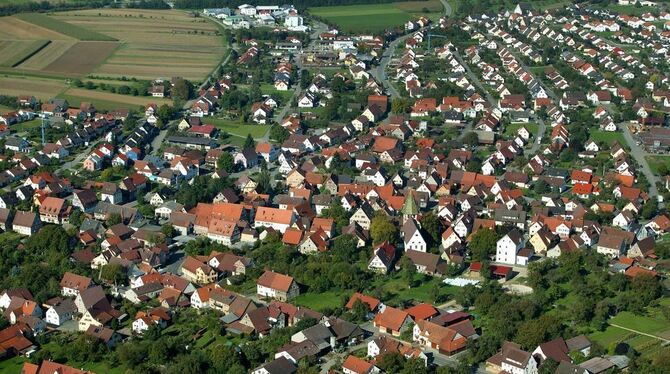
375,18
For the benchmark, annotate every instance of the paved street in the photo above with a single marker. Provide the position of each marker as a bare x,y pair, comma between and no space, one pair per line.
475,79
379,73
638,154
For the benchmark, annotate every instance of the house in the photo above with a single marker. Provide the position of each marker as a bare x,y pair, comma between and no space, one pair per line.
51,367
277,286
512,359
280,365
382,258
412,236
60,312
555,349
355,365
277,219
26,223
72,284
508,246
392,321
447,340
198,272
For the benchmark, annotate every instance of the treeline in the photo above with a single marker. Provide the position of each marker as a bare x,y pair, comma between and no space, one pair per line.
299,4
148,4
45,6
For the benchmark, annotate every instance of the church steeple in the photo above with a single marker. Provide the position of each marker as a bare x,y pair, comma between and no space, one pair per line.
409,207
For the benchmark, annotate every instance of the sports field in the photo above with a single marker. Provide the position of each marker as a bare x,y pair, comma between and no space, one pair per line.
375,18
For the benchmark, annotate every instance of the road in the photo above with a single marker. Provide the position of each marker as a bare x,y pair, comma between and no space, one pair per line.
81,155
475,79
542,127
379,73
638,154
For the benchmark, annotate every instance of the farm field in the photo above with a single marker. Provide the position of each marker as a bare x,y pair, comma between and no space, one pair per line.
376,17
655,163
107,100
19,50
62,27
71,62
172,44
39,52
43,89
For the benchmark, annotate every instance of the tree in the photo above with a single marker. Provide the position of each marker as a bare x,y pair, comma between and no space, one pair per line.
182,90
541,187
471,139
165,113
264,182
279,133
431,224
113,273
382,229
113,219
649,209
359,311
226,162
168,230
483,244
408,270
249,142
400,105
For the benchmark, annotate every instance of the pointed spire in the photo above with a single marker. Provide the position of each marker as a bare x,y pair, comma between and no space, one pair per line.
409,208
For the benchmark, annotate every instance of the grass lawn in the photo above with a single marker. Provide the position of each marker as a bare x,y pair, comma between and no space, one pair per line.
512,128
376,17
238,130
656,161
320,301
653,324
283,96
610,335
5,109
13,365
103,105
25,126
607,137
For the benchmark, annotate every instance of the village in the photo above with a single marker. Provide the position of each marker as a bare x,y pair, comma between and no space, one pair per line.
485,193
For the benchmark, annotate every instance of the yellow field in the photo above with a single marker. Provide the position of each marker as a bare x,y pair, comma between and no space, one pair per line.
43,89
155,43
46,56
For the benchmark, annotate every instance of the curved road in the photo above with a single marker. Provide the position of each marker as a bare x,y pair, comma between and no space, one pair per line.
380,71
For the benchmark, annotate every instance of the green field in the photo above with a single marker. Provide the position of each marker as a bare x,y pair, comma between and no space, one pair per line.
607,137
656,161
236,129
102,105
653,323
320,301
25,126
17,51
512,128
375,18
64,28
